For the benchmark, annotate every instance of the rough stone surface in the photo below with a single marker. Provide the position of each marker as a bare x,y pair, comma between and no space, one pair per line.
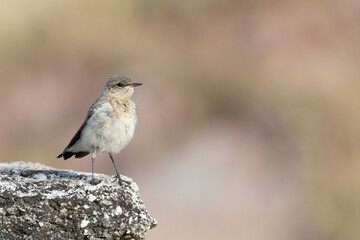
39,202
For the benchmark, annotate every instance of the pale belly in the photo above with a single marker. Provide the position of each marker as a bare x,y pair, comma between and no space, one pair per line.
106,134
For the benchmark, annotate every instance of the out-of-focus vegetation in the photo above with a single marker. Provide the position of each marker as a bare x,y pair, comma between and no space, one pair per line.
248,118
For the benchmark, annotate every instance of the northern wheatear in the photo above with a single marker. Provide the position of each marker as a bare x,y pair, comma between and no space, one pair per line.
109,124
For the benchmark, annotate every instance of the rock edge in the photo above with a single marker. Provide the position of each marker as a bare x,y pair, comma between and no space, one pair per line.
40,202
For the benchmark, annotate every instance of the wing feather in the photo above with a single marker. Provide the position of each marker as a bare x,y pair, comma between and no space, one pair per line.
68,154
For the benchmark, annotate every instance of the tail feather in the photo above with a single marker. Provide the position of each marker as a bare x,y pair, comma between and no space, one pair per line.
67,155
81,154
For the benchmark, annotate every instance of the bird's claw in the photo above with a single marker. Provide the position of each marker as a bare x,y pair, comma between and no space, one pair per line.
118,178
93,181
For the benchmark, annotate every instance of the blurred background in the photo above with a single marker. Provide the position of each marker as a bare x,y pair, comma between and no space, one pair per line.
248,117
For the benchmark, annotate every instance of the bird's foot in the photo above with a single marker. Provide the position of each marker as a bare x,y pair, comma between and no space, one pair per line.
117,178
93,181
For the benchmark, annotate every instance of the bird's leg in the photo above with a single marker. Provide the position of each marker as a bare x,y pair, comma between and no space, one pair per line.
93,155
117,172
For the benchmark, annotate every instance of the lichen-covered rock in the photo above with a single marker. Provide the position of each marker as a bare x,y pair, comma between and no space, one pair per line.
39,202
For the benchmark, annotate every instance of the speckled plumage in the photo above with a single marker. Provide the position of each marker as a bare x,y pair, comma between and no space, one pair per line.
110,122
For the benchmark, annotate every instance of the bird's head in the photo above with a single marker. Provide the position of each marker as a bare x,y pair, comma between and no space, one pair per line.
119,86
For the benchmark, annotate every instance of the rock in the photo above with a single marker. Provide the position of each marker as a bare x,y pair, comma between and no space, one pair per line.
39,202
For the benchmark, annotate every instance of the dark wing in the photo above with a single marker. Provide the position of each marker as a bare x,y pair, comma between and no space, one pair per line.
68,154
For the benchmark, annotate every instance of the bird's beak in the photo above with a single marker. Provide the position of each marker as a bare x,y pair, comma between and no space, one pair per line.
135,84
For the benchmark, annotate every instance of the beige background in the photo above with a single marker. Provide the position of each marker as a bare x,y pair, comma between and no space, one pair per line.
248,117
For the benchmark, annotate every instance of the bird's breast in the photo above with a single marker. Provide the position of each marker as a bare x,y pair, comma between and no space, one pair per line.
111,130
118,131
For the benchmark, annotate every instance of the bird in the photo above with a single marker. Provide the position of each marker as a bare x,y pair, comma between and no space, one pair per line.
109,124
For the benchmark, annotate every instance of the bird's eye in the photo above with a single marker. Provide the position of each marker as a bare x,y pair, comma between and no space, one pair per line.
120,85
